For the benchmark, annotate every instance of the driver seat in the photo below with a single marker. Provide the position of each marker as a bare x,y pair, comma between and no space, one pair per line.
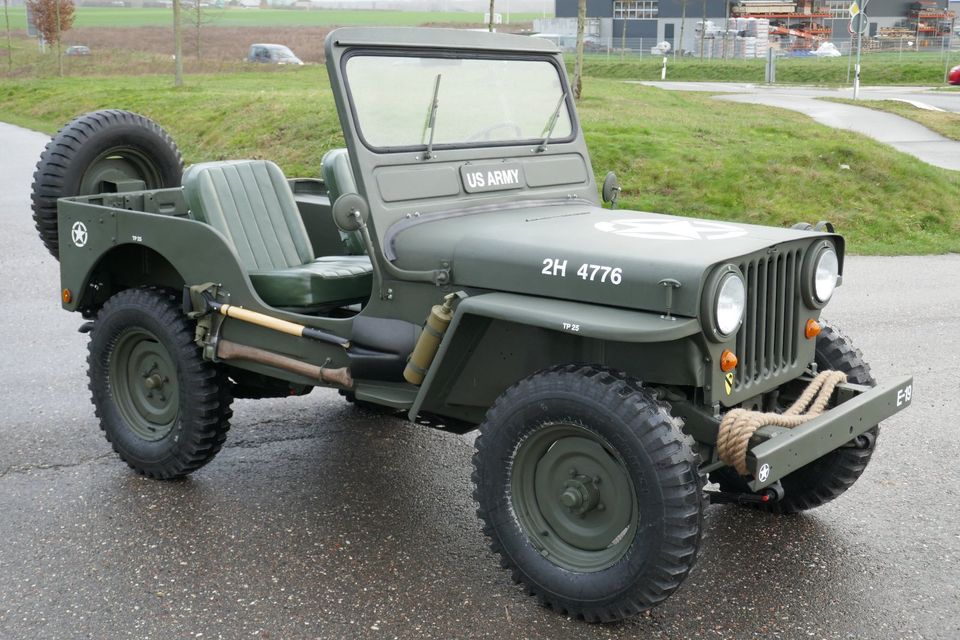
250,202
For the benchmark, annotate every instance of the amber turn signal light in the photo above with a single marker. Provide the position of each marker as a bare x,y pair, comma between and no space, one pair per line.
812,330
728,361
66,296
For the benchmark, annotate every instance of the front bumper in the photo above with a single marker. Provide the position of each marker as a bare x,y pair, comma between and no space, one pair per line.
860,408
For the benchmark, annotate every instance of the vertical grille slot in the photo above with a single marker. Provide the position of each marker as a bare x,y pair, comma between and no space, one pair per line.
767,341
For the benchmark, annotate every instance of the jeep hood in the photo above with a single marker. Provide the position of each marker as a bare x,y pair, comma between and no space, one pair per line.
541,251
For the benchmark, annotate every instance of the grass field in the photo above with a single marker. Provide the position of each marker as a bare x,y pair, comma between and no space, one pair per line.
259,18
945,123
680,153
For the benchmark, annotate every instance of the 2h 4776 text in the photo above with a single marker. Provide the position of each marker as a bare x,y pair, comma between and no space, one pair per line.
589,272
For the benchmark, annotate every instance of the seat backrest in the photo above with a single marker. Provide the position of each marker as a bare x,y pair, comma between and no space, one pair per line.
338,177
250,202
337,173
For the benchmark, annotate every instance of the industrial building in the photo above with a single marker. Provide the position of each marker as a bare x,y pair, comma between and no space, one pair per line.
793,24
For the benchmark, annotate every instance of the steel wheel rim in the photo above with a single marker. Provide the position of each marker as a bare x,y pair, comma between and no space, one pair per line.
144,384
573,497
117,164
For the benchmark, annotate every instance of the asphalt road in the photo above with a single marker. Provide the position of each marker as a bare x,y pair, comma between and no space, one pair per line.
320,520
900,133
926,96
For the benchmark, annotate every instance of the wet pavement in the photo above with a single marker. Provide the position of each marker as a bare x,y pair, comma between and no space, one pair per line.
900,133
319,520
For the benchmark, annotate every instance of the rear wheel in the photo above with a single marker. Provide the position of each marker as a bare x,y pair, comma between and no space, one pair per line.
93,154
165,410
828,477
588,491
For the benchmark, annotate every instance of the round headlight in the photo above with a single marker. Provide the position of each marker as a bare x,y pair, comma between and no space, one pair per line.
825,275
731,299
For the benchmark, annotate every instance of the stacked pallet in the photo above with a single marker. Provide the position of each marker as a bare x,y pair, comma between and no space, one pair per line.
745,7
927,18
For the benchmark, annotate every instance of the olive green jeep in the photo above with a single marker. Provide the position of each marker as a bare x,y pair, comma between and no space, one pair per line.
455,264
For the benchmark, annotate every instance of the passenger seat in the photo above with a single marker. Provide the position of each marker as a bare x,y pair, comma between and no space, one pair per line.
251,204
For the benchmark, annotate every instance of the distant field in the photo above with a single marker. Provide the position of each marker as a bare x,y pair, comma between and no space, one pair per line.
682,153
236,17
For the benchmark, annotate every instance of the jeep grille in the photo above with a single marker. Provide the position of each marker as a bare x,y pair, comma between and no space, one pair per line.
767,340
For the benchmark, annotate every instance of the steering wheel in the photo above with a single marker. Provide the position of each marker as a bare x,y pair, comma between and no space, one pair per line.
484,134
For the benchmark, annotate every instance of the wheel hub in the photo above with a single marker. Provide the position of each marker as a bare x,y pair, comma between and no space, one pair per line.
582,495
574,498
144,382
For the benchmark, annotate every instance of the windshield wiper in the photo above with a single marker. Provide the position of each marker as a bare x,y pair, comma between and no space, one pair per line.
431,120
551,123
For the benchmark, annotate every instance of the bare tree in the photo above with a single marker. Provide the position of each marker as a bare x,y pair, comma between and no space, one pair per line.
177,46
6,15
578,65
52,18
683,22
197,16
490,23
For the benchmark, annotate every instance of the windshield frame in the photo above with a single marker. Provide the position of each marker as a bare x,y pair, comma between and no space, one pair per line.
465,55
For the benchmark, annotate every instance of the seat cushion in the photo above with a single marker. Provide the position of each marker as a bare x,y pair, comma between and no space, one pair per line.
325,281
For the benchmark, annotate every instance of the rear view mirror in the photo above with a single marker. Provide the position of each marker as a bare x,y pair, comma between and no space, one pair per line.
350,212
610,192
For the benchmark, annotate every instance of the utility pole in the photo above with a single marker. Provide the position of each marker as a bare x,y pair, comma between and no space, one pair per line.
726,29
861,28
623,39
490,24
703,27
946,60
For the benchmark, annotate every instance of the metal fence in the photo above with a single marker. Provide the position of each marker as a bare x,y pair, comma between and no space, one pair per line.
734,48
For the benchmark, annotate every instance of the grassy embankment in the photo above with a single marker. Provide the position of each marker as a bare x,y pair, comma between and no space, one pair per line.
945,123
679,153
877,69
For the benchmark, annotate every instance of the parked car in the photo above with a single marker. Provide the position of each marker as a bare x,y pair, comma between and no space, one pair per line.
954,76
272,54
77,50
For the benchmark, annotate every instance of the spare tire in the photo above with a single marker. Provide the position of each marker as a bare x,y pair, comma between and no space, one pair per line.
92,154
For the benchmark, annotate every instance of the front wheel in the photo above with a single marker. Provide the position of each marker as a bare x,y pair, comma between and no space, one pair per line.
165,410
589,492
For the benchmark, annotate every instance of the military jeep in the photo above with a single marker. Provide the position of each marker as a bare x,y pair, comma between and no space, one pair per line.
455,264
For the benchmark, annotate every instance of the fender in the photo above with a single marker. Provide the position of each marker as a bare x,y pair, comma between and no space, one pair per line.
190,246
574,319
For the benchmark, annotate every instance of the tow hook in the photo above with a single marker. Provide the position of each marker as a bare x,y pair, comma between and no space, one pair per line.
770,495
865,440
86,327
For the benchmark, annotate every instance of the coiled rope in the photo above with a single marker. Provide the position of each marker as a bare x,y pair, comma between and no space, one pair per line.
739,425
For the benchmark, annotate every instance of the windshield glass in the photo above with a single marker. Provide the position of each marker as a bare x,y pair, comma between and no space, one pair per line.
282,52
478,101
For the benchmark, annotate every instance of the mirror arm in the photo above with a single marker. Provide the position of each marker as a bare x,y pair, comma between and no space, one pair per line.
438,277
